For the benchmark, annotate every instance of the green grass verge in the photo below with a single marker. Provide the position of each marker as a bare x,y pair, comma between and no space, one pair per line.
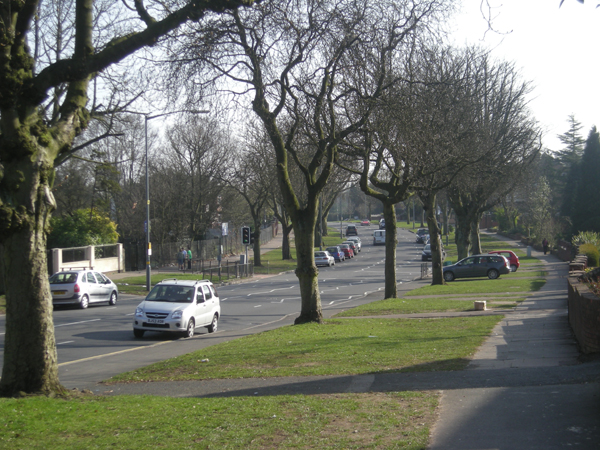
350,421
506,284
421,305
336,347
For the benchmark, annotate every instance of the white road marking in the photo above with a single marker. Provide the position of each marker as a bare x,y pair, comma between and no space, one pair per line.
66,342
76,323
271,291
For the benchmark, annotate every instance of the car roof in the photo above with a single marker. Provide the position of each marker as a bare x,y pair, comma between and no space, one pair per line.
175,281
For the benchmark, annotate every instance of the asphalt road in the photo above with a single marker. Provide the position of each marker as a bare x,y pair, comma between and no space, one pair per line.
97,343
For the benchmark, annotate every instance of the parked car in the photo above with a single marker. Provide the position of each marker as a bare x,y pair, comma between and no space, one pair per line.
352,245
357,241
382,224
348,252
421,233
491,266
337,253
351,230
323,258
379,237
82,287
513,259
178,306
426,254
365,223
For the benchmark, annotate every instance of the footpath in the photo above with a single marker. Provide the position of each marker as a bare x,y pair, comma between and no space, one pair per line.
527,387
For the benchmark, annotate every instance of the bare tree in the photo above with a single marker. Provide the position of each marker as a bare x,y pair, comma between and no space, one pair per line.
308,66
43,107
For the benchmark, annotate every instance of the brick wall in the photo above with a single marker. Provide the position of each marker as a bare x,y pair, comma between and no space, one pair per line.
584,315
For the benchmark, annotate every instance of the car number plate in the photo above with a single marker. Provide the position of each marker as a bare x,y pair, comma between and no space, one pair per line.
59,292
156,321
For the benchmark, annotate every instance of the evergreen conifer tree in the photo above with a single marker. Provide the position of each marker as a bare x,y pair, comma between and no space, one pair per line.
586,213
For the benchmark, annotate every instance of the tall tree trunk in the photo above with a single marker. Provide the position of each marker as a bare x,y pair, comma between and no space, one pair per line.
30,360
462,236
286,253
391,242
256,245
434,239
475,240
307,271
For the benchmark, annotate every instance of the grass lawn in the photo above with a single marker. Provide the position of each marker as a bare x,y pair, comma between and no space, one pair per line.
505,284
349,421
420,305
336,347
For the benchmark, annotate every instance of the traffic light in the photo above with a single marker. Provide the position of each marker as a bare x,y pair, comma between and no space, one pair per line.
246,235
251,238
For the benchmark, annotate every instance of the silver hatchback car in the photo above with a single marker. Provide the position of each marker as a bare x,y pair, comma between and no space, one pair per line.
82,287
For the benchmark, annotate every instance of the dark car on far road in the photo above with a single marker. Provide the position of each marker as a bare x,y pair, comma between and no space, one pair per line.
491,266
351,230
421,233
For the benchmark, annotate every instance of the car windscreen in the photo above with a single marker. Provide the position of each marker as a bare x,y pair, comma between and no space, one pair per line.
175,294
63,278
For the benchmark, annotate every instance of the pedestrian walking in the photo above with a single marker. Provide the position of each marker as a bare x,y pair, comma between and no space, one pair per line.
184,253
189,255
545,245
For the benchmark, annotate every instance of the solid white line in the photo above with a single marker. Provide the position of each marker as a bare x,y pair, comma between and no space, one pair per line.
76,323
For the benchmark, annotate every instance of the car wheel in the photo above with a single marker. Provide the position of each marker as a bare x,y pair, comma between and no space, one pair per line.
513,268
191,326
448,276
113,298
138,333
493,274
213,325
85,302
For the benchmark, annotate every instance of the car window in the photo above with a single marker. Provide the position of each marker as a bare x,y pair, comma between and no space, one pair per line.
214,290
199,295
63,278
90,277
101,278
207,292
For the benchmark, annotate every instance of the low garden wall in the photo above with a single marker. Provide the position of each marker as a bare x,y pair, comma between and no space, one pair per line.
584,315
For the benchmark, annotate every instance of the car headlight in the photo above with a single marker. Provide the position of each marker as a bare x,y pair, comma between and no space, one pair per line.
139,312
176,315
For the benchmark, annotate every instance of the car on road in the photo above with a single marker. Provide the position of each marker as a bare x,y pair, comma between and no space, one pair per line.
491,266
379,237
82,287
348,252
351,230
512,257
337,253
382,224
178,306
323,258
365,223
421,235
426,253
352,245
357,241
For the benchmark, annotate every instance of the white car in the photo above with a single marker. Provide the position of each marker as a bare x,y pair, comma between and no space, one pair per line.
82,287
324,259
379,237
357,242
178,306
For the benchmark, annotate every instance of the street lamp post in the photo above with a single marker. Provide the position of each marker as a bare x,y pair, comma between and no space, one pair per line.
148,243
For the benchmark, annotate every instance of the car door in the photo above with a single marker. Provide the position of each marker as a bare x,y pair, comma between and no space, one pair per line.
465,268
93,287
209,304
200,309
104,287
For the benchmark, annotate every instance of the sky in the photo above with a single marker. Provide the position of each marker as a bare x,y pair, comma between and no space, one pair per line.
556,49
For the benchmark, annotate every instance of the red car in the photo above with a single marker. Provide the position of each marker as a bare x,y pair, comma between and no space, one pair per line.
365,223
348,252
513,259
